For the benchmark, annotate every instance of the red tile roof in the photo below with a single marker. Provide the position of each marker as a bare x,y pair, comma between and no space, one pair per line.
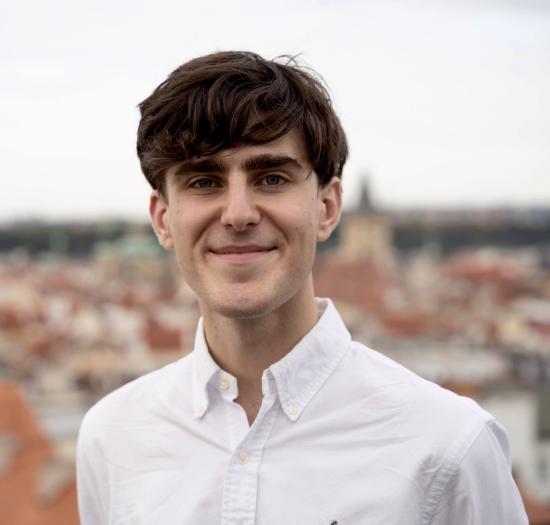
19,482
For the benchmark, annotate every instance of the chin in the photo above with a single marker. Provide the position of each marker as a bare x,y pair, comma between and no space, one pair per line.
245,304
252,309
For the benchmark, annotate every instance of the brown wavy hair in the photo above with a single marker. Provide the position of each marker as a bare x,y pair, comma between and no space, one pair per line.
233,98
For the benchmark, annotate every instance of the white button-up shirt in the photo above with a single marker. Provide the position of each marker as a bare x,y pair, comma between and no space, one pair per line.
344,436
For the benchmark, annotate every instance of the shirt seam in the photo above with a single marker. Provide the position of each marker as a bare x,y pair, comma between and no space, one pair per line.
89,440
451,464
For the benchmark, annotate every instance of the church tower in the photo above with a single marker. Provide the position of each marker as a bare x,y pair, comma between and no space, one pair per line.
366,233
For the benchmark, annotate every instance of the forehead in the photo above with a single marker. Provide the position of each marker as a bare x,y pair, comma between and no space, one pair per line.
290,144
286,150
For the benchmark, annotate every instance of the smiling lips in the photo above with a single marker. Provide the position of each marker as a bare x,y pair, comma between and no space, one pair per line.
242,253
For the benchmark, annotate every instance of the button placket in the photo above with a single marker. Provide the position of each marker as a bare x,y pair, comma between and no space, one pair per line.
242,458
241,480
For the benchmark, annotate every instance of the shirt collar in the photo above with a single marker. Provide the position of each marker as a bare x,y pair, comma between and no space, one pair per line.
298,376
204,369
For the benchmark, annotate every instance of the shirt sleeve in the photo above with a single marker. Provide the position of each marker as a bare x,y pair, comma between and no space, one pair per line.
92,479
481,490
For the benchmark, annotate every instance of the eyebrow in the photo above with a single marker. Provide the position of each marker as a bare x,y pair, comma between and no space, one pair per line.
205,165
264,161
267,161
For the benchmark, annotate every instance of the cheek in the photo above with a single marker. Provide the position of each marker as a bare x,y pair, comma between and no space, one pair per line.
183,228
300,218
303,230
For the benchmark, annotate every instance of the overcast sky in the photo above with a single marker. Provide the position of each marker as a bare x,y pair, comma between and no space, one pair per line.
445,103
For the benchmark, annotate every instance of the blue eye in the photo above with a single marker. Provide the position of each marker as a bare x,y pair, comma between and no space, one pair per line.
203,184
273,180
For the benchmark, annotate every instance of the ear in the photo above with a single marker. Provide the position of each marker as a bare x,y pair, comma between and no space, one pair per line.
330,200
158,211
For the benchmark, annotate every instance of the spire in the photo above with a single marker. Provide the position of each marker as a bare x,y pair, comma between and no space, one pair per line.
365,204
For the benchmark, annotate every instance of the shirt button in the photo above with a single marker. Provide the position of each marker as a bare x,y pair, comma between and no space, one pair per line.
292,410
242,458
224,384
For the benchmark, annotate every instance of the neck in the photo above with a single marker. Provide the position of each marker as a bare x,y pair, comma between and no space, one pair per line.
246,347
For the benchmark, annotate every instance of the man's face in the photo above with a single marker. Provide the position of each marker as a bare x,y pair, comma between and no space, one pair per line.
244,225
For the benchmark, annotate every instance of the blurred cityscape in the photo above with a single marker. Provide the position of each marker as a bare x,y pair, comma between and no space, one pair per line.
462,297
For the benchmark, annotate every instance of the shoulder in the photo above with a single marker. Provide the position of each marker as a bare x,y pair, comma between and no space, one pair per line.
460,453
139,400
476,481
424,402
436,422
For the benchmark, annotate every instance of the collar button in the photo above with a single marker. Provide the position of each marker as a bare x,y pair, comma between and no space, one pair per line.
292,410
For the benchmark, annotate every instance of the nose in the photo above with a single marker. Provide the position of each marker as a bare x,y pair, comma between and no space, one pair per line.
239,209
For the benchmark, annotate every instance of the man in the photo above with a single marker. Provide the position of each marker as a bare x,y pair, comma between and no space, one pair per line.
276,417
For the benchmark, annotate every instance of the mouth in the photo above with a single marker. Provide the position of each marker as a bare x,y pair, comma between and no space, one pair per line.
241,254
